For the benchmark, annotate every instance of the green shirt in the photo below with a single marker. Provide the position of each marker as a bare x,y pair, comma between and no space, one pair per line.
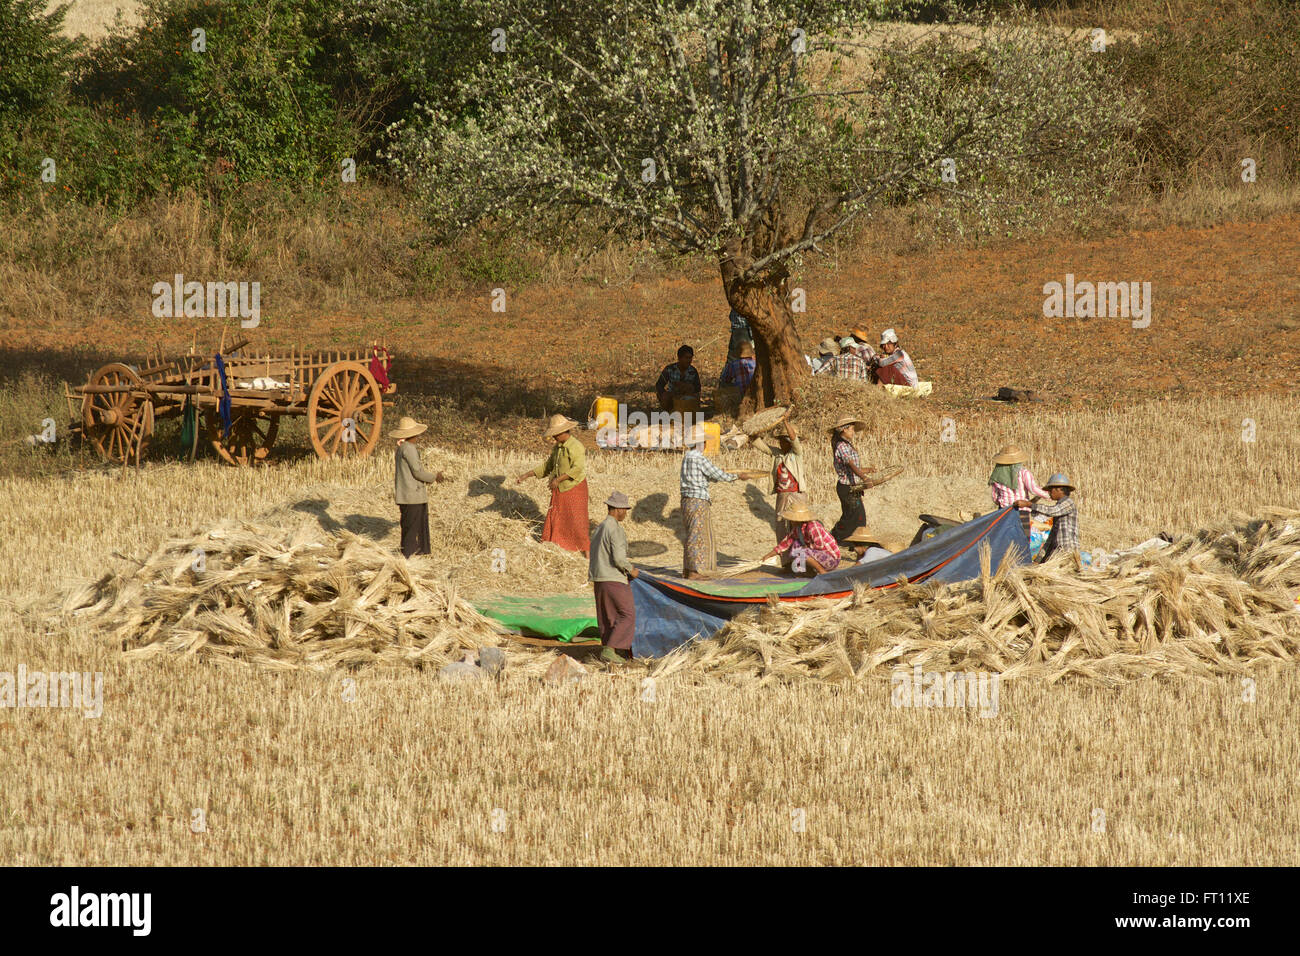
609,561
567,458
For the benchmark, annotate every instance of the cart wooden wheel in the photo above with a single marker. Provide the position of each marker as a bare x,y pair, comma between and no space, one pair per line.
344,411
110,419
250,439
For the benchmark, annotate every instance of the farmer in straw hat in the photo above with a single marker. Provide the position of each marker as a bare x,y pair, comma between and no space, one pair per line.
862,344
1065,516
610,571
895,366
848,475
700,558
1011,482
566,518
788,482
873,546
812,548
409,481
826,352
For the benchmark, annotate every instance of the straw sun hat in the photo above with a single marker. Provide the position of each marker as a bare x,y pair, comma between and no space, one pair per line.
407,428
865,536
797,512
847,420
1011,455
559,425
828,346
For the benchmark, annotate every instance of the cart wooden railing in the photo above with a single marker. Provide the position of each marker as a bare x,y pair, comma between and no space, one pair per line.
342,400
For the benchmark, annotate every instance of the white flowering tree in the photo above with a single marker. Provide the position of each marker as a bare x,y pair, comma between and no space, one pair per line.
752,131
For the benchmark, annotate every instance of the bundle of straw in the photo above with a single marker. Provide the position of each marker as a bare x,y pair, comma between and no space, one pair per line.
1218,603
282,599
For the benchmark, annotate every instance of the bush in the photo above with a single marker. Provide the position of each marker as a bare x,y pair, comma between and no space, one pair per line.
254,97
34,58
1213,88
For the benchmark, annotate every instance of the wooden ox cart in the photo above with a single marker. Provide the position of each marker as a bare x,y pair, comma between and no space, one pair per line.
342,400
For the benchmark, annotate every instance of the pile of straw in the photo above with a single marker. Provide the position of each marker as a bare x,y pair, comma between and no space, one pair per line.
1218,603
823,399
283,599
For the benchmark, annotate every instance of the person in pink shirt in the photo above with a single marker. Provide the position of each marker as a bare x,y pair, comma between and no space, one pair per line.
812,549
1011,481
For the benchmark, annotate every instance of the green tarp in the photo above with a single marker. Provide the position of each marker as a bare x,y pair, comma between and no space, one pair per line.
562,616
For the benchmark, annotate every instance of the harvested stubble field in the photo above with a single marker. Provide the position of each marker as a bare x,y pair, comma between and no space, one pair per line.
1189,762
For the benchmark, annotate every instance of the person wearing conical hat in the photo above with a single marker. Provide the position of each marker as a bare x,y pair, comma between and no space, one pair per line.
409,487
739,371
788,481
849,476
566,523
826,352
862,344
1064,535
741,334
872,546
811,548
1012,482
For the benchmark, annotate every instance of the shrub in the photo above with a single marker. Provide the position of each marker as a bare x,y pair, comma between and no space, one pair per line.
255,97
34,58
1213,87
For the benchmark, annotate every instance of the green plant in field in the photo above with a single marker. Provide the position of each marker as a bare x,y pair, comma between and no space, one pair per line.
231,91
34,58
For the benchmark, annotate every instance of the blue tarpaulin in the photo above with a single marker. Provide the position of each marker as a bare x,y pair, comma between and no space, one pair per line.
670,612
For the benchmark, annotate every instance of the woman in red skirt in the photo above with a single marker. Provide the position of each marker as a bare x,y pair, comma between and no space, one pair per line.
566,519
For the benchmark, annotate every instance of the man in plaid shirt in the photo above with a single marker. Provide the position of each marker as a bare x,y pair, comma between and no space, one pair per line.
848,364
697,472
1064,515
700,557
679,380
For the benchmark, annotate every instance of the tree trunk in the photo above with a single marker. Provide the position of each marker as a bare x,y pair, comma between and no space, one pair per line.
779,363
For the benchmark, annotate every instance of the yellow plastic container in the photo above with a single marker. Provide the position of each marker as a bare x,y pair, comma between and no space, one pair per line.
712,437
604,411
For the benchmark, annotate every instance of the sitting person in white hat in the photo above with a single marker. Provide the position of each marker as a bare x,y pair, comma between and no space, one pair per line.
895,366
409,480
811,547
567,523
848,364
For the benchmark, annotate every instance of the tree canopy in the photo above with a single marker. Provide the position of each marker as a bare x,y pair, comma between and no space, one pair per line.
755,130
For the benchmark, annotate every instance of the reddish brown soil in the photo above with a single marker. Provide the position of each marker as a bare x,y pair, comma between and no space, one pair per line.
1226,317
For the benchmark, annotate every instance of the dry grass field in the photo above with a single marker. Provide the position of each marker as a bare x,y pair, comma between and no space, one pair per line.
285,769
762,747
